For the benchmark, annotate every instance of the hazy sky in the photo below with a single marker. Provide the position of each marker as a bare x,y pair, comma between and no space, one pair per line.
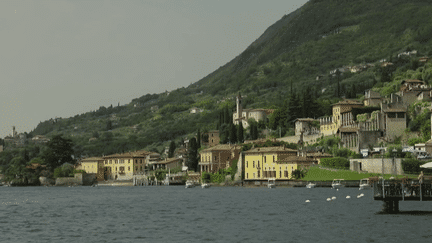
62,58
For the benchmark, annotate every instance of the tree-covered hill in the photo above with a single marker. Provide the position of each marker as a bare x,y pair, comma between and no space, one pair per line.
279,69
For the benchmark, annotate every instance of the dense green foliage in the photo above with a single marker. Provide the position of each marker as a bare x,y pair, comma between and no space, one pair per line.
59,151
411,166
336,162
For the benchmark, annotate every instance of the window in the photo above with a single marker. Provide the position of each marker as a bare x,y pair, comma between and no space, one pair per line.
247,164
258,174
273,158
286,173
253,165
247,175
128,168
265,160
280,174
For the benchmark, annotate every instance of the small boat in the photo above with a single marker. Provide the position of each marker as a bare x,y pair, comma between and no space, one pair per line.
271,183
364,184
189,184
311,185
337,183
205,185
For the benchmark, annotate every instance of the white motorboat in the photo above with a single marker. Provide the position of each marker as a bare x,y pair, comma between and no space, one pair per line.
337,183
205,185
311,185
189,184
271,183
364,184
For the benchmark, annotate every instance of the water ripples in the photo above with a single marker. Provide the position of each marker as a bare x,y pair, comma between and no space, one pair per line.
176,214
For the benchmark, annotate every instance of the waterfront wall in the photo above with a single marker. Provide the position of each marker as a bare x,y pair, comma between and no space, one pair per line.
382,166
79,179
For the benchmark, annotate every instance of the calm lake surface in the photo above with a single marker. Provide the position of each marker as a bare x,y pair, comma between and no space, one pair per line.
217,214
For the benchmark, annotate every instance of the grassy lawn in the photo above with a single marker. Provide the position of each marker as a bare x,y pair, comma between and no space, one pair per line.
317,174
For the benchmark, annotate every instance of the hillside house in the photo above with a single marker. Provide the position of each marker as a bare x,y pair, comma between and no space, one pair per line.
40,139
341,115
413,90
243,115
372,98
195,110
423,59
386,64
306,126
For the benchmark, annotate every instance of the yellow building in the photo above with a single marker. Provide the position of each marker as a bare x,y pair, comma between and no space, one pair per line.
124,166
273,162
93,165
218,157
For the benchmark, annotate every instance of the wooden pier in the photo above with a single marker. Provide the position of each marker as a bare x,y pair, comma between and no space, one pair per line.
393,191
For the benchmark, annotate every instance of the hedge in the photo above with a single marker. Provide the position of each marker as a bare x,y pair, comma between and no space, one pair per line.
336,162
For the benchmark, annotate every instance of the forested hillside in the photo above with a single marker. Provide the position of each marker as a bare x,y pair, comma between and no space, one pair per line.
287,69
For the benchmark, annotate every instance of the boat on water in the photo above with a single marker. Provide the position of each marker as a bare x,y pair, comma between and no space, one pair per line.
189,184
337,183
364,184
271,183
311,185
205,185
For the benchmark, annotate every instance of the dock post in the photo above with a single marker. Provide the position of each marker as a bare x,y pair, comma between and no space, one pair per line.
391,206
395,206
421,194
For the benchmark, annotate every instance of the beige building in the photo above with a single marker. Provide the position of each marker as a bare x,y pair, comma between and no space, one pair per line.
167,163
394,120
213,138
218,157
93,165
372,98
341,115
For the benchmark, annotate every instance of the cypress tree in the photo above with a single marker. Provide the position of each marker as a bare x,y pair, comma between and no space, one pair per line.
199,138
240,137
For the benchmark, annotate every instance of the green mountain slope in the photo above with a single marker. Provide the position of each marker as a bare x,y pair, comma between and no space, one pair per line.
285,59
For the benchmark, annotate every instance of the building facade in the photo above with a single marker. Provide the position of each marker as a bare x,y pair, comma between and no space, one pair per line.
273,163
93,165
124,166
218,157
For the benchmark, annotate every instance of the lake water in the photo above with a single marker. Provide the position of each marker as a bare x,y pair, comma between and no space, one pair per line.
217,214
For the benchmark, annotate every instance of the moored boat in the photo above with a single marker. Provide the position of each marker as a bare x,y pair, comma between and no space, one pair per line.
311,185
337,183
189,184
364,184
271,183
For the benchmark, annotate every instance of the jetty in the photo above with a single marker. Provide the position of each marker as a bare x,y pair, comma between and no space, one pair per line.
405,189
